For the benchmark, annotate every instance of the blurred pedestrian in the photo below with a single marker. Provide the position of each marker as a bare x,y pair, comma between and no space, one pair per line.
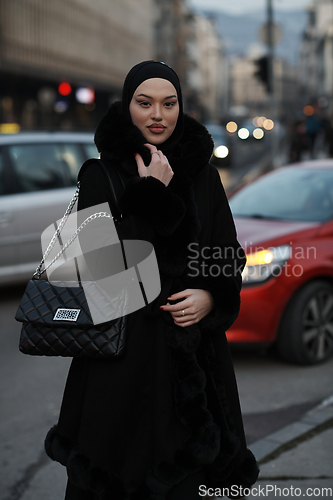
298,142
165,418
328,135
313,126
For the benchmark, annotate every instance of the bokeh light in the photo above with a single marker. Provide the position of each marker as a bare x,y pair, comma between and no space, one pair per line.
232,127
258,133
60,106
308,110
243,133
85,95
64,88
322,102
268,124
221,152
260,121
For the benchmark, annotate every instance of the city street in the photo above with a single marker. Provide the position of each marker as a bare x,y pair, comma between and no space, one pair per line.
273,395
103,103
249,151
250,158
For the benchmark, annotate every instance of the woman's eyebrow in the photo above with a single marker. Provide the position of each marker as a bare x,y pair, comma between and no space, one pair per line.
149,97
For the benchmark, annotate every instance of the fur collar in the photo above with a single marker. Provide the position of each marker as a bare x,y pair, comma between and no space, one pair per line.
116,140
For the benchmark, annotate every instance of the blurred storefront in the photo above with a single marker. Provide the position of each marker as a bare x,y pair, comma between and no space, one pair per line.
316,64
62,63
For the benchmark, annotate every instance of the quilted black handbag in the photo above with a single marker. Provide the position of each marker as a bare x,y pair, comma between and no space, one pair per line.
57,320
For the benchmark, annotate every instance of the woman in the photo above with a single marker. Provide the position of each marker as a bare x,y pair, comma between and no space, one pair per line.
165,418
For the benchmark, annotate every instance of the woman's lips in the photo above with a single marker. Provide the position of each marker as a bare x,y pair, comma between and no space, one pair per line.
156,129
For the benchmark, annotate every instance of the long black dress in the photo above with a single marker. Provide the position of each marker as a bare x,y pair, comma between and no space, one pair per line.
136,427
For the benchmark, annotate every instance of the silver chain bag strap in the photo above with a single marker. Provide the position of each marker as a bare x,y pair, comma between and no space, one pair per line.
55,317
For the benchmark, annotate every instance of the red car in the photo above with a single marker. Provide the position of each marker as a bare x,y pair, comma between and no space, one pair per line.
284,222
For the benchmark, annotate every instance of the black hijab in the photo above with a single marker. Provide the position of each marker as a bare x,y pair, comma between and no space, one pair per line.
142,72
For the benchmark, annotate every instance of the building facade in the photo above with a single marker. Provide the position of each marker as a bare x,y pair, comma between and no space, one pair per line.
173,39
87,44
210,75
91,46
248,92
190,44
316,58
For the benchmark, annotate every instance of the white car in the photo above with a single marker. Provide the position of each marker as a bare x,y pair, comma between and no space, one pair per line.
38,175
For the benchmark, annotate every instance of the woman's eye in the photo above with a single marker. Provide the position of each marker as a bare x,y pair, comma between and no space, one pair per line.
170,104
145,104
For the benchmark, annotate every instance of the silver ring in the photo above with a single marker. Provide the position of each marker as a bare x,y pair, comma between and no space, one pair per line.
183,312
155,152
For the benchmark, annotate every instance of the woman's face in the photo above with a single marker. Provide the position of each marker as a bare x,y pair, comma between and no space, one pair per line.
154,109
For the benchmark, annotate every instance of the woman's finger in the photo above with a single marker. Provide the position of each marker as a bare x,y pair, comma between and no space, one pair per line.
184,315
181,316
158,167
158,154
182,294
142,169
176,308
151,147
181,320
187,323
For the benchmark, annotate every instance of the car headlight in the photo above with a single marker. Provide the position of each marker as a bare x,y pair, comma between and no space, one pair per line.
221,152
243,133
263,264
258,133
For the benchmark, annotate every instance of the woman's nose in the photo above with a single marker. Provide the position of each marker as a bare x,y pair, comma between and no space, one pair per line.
156,113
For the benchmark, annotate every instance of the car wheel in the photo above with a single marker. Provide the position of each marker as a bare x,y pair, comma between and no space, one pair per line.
306,331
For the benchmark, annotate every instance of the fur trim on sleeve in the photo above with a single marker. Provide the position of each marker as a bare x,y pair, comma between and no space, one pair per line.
243,477
223,279
151,199
226,303
226,294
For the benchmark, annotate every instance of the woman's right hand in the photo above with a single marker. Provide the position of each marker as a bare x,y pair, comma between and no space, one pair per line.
159,166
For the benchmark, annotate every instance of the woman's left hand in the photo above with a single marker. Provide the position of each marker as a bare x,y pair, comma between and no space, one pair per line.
196,305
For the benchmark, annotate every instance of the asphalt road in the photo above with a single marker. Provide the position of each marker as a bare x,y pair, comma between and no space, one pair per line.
272,394
248,156
248,151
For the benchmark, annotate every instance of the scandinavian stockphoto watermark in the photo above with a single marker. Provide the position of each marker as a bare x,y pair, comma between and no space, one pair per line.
268,490
118,276
262,262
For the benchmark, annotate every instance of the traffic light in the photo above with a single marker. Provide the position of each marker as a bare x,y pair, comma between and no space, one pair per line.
64,88
262,71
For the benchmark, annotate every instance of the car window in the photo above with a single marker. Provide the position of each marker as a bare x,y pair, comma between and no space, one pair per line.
91,150
44,166
71,156
288,194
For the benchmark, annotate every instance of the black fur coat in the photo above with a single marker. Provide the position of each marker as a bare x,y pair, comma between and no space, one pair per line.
135,427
